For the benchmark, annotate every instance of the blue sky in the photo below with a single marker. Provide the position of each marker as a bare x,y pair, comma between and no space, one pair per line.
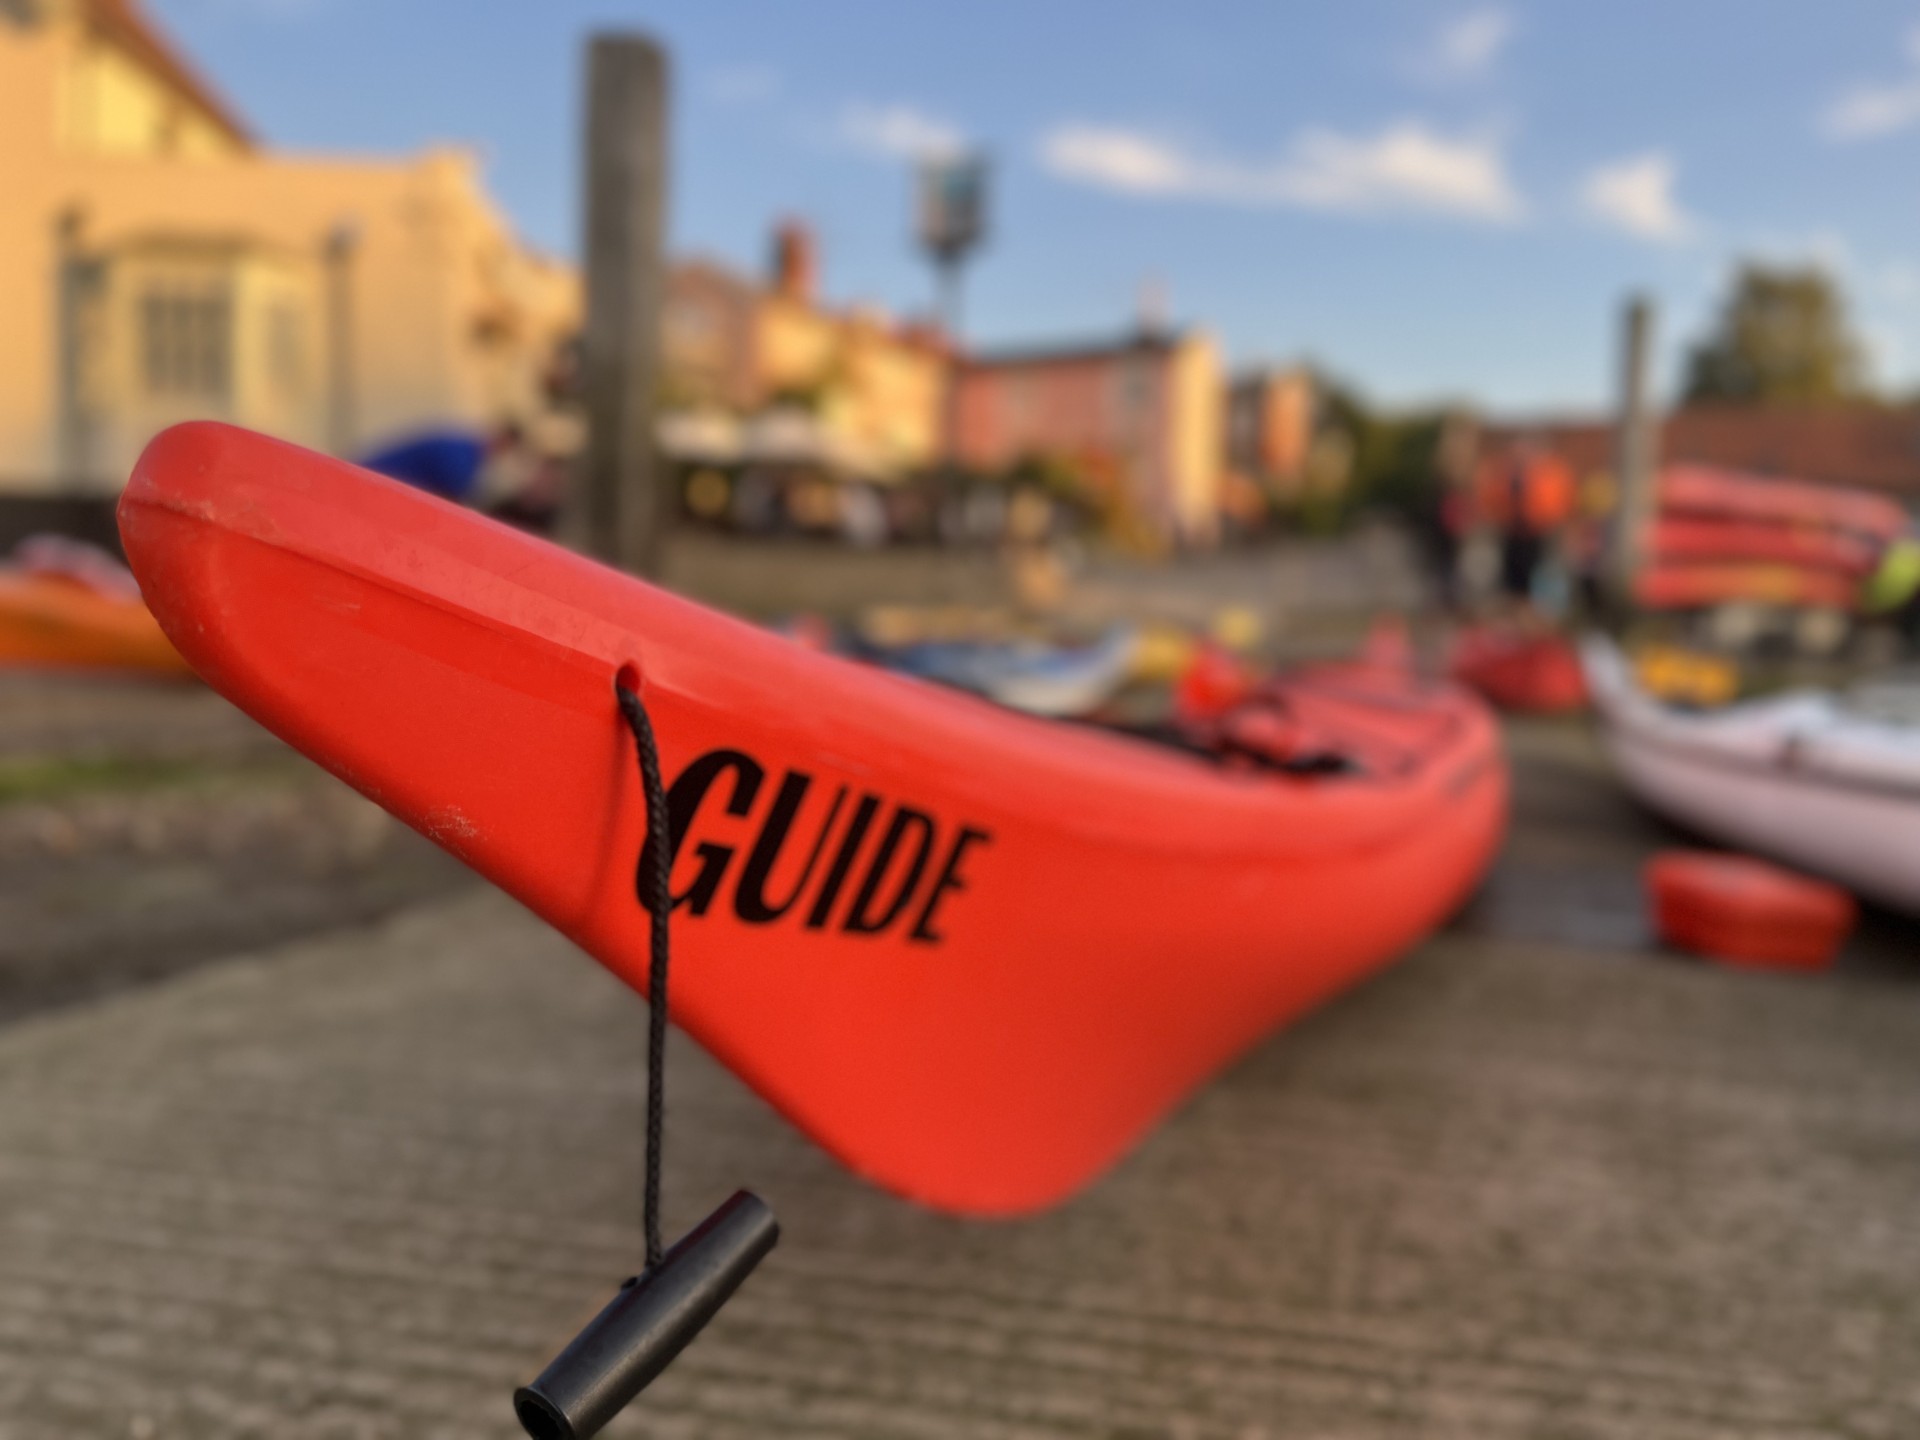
1433,199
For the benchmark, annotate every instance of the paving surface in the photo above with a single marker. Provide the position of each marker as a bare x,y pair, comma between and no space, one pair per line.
1536,1183
1291,583
362,1185
147,828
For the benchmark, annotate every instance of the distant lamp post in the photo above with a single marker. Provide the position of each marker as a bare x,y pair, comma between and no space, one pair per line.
1636,449
952,222
622,502
338,249
75,273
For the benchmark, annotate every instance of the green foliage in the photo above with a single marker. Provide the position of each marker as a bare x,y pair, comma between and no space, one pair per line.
1053,475
810,396
1781,338
1320,512
57,777
1396,463
1394,458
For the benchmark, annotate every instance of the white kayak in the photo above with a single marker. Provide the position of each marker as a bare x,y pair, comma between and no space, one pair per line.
1809,778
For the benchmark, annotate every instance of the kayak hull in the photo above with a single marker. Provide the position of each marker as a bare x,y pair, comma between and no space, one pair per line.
1707,491
1689,540
1675,586
1789,779
974,954
1525,674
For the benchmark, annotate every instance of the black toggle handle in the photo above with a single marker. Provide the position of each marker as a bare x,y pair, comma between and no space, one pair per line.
647,1324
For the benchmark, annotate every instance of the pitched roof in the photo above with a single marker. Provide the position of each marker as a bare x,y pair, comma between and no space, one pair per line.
1870,446
1137,343
1873,447
124,24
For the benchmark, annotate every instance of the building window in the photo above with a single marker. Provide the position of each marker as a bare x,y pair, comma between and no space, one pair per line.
1132,394
1023,404
186,341
286,349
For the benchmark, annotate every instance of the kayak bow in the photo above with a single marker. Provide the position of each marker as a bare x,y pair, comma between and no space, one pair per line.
974,954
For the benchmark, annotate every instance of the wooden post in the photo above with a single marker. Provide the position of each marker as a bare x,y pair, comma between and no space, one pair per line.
342,423
620,506
70,268
1636,447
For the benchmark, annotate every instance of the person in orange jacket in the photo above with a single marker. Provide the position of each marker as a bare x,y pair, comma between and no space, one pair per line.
1527,496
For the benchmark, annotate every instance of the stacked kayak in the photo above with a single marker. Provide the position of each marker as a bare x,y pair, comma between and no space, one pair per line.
1682,540
974,954
1806,778
1720,537
68,606
1710,491
1666,586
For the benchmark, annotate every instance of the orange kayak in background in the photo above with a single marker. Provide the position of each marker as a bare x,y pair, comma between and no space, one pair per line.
1675,539
57,622
1686,587
974,954
1733,494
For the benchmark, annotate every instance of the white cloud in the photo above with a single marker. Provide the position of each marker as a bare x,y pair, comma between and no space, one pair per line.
744,84
1869,111
1468,46
1126,160
1407,168
1636,195
899,132
1877,108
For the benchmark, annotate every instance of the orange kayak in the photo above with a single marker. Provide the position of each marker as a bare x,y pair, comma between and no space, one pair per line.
1694,540
974,954
1732,494
52,621
1686,587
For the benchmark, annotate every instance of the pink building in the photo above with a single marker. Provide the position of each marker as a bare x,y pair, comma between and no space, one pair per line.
1141,416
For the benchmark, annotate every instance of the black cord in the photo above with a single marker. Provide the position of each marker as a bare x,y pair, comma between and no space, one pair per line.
655,893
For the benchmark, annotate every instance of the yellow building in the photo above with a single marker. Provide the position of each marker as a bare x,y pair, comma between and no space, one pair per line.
157,263
1139,420
875,392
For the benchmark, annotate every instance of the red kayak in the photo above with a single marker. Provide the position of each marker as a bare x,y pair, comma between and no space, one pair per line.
974,954
1689,587
1526,674
1679,539
1732,494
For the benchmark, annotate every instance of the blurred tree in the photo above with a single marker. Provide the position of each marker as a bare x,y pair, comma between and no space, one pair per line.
1399,465
1781,338
1387,459
811,395
1062,482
